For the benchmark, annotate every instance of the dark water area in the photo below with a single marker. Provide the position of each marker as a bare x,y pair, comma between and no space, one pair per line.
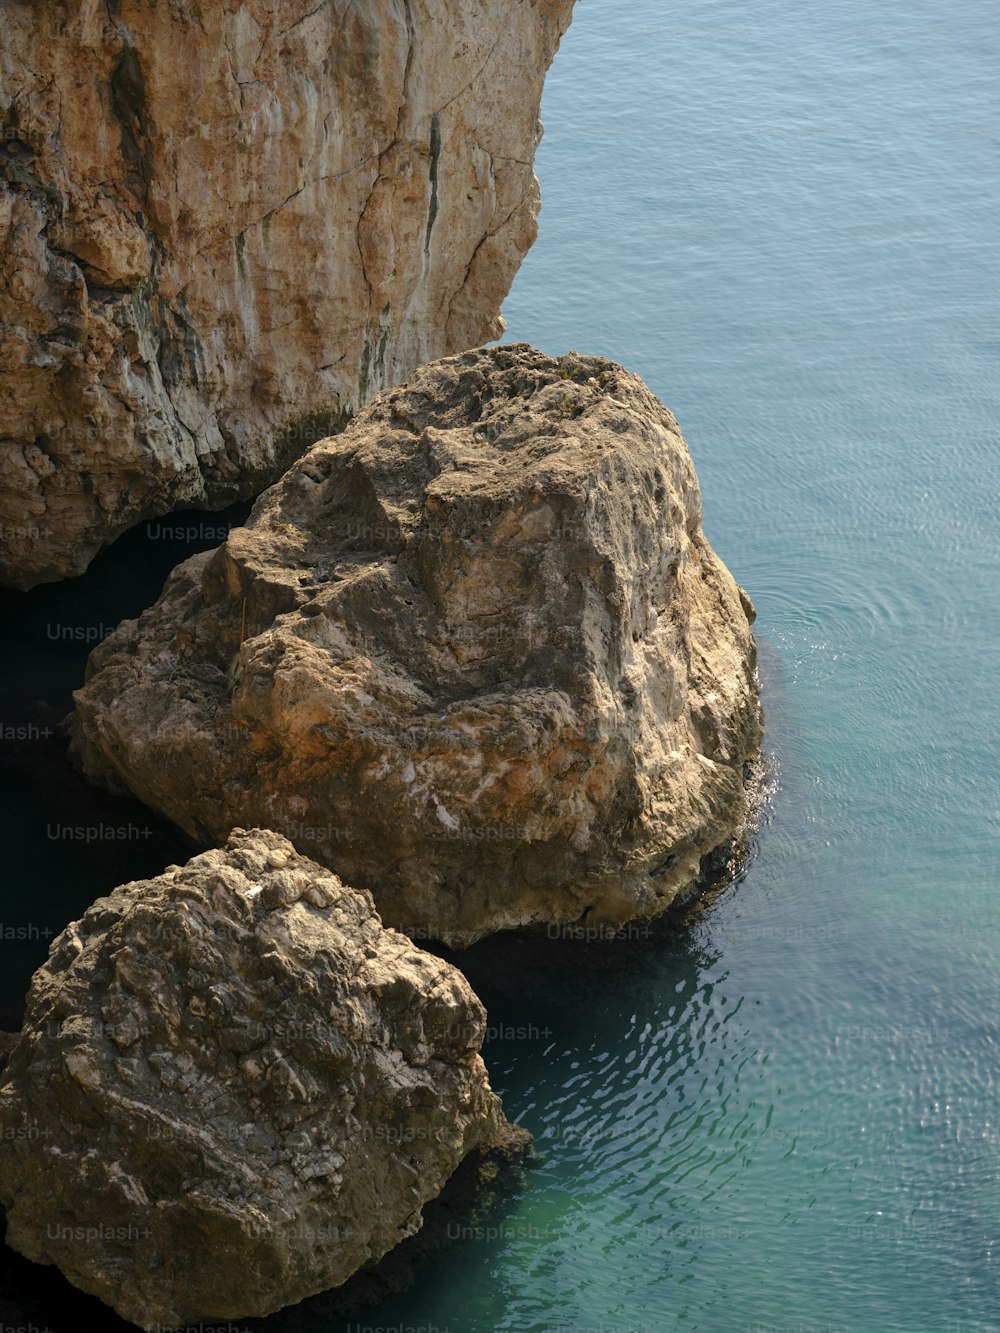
68,843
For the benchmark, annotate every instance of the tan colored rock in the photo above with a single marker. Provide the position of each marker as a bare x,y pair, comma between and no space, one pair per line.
233,1089
222,227
492,669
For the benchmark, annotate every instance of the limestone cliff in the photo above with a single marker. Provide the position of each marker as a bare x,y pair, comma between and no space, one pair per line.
223,226
474,653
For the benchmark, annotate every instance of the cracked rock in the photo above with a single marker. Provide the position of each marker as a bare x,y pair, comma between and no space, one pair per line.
223,227
228,1095
490,668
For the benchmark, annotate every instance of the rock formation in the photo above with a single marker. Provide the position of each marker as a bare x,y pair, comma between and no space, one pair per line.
475,654
233,1088
222,227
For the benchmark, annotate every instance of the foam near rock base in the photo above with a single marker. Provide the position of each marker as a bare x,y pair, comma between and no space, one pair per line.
475,654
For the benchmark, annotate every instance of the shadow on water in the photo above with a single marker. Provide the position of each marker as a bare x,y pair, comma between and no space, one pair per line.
67,843
46,634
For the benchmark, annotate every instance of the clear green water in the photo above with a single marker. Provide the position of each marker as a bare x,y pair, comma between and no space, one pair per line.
787,219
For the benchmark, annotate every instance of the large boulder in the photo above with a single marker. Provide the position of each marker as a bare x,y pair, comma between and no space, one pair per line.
233,1088
223,226
475,654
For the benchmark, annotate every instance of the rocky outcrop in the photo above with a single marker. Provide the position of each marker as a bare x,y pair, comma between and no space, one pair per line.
233,1088
222,227
474,653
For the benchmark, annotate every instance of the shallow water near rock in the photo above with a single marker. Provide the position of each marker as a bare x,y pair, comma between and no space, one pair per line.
784,1116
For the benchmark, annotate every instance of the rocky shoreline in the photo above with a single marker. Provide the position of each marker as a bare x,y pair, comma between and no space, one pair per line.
487,604
467,690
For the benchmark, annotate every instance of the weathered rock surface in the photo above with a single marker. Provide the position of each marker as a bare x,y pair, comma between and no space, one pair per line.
233,1088
222,227
492,670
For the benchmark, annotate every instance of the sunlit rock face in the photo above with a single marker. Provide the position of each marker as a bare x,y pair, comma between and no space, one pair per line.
474,653
222,227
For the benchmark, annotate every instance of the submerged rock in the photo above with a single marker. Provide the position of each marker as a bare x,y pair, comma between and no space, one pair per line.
233,1089
223,226
475,654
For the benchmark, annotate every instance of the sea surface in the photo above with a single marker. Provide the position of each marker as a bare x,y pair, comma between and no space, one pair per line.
784,1115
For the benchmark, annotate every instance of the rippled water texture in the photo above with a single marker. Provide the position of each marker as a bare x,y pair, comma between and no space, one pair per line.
785,217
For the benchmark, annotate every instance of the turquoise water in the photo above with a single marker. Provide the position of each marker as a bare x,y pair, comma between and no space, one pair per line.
784,1117
786,218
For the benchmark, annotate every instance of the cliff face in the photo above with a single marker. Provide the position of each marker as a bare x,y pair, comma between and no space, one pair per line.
234,1088
222,227
474,654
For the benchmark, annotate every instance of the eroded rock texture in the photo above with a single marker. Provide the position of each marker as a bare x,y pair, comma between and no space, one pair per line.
233,1088
491,669
223,226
